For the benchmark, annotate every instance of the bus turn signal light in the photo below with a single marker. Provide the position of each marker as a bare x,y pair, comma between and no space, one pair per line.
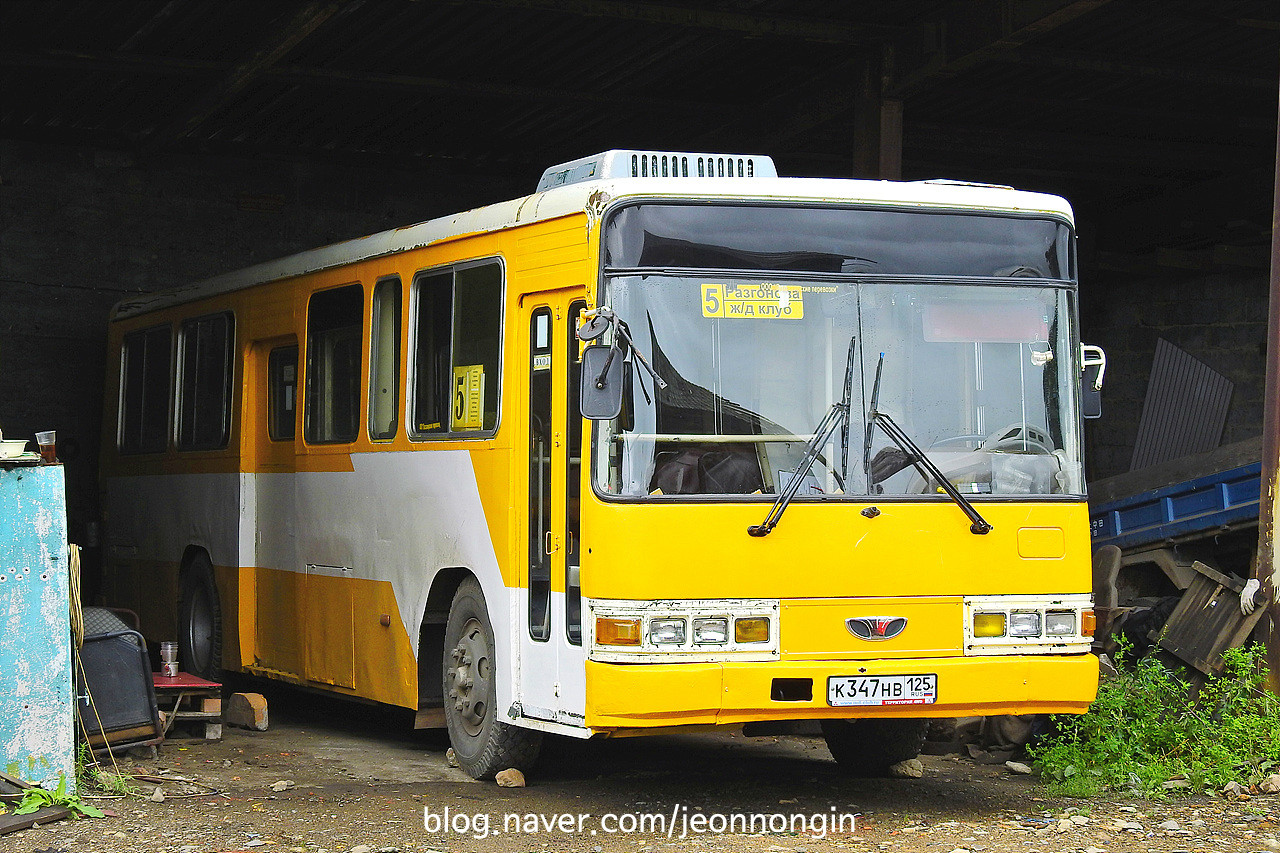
1088,623
611,631
988,624
752,630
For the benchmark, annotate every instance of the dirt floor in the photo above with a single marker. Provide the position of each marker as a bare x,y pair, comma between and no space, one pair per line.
354,779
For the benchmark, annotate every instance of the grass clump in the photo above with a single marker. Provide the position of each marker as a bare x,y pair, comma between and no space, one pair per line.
1145,730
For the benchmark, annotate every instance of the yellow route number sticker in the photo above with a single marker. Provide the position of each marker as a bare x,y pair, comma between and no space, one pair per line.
753,301
468,397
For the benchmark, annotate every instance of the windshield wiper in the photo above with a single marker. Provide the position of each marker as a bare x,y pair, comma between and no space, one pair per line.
915,456
835,416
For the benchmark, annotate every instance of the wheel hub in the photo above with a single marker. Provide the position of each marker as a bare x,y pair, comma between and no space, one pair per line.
469,681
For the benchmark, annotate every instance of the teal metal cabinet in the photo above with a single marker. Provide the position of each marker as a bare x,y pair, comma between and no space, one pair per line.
37,710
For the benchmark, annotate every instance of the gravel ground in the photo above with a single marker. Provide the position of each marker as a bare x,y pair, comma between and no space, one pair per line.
336,777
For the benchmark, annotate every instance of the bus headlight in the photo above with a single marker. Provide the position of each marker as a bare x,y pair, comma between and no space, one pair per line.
751,630
666,631
1028,624
988,624
1058,623
693,630
1024,624
712,631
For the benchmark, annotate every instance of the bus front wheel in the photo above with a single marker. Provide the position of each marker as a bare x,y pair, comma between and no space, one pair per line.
200,621
869,747
482,744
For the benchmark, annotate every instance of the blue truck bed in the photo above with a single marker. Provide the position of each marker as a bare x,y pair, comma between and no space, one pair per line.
1178,501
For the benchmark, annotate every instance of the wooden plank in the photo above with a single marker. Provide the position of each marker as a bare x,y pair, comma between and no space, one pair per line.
10,823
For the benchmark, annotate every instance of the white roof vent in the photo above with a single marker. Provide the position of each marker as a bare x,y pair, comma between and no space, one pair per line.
657,164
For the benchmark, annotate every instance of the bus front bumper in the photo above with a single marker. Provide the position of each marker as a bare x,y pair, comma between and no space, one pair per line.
647,695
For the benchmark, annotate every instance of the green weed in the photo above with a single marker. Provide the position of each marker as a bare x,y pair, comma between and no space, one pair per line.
1144,731
34,799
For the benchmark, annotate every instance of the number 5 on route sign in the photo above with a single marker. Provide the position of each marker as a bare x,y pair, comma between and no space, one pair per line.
468,397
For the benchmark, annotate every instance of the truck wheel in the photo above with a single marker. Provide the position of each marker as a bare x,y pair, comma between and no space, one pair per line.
482,744
200,621
870,747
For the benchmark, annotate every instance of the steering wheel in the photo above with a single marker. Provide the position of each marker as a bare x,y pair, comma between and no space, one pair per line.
1012,438
1016,437
957,439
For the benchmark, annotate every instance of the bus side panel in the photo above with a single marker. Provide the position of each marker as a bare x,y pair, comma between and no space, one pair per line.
370,540
153,519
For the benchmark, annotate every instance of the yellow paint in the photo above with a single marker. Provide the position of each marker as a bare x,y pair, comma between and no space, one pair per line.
828,550
815,628
276,638
328,630
1041,543
629,696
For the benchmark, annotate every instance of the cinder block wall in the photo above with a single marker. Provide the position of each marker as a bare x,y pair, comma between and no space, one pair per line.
81,229
1218,317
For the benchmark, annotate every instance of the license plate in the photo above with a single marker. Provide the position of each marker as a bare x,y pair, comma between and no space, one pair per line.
882,689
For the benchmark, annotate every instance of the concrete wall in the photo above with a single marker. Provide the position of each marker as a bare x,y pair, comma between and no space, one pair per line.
82,228
1218,317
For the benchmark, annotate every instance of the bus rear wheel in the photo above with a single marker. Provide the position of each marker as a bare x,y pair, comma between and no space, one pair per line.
870,747
482,744
200,621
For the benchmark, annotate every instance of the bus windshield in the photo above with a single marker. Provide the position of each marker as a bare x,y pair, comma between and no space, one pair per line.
979,372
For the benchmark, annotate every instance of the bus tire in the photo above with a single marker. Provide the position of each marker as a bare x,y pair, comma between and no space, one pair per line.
869,747
482,744
200,621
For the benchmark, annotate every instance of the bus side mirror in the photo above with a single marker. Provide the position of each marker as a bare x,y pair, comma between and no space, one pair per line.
1093,362
602,382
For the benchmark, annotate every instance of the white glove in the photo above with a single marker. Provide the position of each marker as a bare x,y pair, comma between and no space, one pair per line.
1247,594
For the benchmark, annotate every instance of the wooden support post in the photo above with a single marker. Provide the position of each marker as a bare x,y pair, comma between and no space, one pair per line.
877,124
1266,569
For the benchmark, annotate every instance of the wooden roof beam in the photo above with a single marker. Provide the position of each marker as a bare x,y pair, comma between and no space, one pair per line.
818,30
1180,73
116,62
307,20
981,43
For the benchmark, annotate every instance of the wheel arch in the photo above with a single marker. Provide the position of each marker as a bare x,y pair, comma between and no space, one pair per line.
193,555
430,648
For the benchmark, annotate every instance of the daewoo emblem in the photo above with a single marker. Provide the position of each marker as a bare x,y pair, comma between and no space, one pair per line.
876,627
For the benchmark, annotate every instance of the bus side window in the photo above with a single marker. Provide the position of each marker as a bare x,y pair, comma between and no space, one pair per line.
540,437
146,363
433,315
477,324
204,375
573,459
384,357
457,339
282,393
333,365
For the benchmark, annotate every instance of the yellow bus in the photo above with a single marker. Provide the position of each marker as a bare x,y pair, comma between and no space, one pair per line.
672,442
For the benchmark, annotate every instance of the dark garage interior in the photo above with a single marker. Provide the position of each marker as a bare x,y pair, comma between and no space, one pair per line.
152,143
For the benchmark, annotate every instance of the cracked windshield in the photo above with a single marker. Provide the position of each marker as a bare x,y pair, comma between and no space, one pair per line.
980,374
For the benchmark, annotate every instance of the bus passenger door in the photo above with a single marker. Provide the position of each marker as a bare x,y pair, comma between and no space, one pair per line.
552,677
277,582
